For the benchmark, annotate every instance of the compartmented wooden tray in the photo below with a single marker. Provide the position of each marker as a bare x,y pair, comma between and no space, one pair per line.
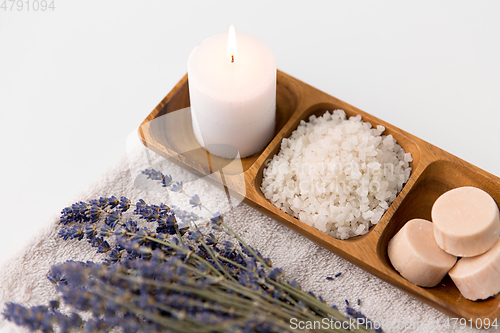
434,171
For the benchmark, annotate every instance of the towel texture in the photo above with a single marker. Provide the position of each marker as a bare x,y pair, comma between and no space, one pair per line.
23,278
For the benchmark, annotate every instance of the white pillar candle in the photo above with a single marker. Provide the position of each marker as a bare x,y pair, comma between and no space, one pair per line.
233,94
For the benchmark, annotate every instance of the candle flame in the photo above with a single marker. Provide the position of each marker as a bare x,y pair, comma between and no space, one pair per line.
231,43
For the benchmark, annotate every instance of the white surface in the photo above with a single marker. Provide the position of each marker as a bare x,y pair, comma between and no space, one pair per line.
75,82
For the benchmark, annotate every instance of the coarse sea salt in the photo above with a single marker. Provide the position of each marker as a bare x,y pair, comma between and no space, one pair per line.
336,174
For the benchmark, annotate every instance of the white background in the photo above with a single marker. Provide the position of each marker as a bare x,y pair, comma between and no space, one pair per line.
76,81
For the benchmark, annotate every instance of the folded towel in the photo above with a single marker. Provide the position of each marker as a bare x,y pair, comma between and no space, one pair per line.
23,278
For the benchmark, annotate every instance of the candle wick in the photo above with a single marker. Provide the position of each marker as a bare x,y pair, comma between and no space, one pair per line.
232,58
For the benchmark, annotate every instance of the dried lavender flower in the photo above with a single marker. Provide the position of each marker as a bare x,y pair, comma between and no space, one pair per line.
168,275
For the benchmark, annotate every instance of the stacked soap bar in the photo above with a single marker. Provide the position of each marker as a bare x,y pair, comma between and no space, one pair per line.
416,255
478,277
465,223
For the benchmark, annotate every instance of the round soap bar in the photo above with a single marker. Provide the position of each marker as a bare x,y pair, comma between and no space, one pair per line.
415,255
478,277
466,221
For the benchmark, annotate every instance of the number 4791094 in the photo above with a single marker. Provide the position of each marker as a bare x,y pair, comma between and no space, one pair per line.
27,5
463,323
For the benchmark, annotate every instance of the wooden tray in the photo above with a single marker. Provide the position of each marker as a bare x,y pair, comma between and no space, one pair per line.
434,171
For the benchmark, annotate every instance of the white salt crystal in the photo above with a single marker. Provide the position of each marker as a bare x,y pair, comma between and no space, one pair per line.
356,174
388,142
284,168
408,158
360,230
337,175
368,214
304,187
383,205
346,145
373,165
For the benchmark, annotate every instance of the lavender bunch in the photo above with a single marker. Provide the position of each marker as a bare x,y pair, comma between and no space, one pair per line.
161,275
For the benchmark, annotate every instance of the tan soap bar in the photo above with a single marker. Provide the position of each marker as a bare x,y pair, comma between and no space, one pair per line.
415,255
466,221
478,277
